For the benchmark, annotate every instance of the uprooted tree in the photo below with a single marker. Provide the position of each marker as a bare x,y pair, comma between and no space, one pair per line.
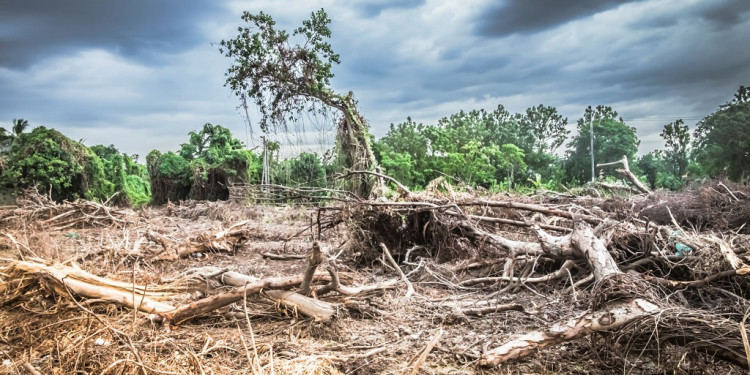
284,79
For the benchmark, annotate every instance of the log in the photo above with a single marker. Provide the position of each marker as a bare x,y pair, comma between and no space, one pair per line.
321,311
594,250
208,304
63,278
612,318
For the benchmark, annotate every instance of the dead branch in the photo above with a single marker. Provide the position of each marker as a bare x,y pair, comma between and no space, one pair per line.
418,360
560,273
409,286
625,172
208,304
336,286
60,279
314,258
228,240
612,318
321,311
403,190
273,256
492,309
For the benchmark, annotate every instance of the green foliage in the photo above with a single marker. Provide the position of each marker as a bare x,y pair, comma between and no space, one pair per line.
52,162
677,138
722,139
170,176
306,169
8,138
612,140
203,168
547,127
477,147
403,153
658,171
128,179
277,74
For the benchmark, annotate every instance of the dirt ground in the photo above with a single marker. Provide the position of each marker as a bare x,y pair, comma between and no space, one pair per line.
381,331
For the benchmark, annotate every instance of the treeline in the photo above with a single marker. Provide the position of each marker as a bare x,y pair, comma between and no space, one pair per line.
497,150
500,150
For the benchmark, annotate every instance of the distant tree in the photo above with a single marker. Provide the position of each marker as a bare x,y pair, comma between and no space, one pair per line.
403,153
307,170
129,179
511,159
547,126
52,162
677,138
285,78
658,170
612,139
722,139
8,138
203,168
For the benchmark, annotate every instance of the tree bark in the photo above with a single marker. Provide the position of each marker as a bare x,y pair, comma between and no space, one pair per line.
611,318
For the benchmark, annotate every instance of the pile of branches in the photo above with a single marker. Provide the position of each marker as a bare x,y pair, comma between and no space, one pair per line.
648,284
279,194
41,210
716,205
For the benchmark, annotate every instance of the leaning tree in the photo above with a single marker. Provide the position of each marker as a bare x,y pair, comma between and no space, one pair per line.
285,75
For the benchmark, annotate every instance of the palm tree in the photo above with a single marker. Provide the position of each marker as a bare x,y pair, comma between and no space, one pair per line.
5,137
19,126
8,138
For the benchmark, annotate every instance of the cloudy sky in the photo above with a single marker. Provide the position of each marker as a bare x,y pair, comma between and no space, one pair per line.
140,74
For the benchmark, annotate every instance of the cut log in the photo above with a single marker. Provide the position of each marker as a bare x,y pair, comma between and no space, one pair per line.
208,304
321,311
83,284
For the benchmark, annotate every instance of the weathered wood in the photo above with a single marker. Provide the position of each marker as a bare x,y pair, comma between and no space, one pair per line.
314,258
228,240
212,303
612,318
63,278
625,172
321,311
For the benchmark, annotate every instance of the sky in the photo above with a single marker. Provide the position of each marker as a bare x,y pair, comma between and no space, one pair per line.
141,74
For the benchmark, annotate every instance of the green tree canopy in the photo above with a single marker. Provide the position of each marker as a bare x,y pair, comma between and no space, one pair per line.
677,138
612,139
287,74
54,163
722,139
203,168
9,137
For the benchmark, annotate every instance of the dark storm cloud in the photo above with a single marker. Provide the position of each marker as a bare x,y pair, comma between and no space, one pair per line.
35,29
726,12
530,16
373,8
